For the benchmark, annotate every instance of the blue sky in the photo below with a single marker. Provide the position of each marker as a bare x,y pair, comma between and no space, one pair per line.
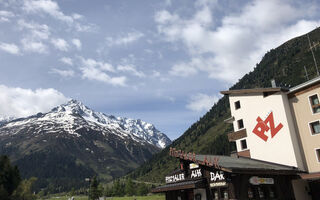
160,61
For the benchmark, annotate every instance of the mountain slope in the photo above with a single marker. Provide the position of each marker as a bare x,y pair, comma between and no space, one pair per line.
72,142
285,64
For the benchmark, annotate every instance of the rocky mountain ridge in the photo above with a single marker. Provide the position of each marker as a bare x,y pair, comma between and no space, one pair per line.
72,142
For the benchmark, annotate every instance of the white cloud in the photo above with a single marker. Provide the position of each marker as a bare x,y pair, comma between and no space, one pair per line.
96,74
10,48
46,6
60,44
201,102
183,69
66,60
96,70
19,102
229,50
97,64
76,16
64,73
5,15
31,45
37,31
125,40
77,43
131,69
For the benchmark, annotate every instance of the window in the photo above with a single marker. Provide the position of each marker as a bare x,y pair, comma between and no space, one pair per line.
237,105
240,124
315,104
315,127
318,154
243,144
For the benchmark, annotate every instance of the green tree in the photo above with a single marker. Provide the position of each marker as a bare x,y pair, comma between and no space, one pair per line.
9,178
107,191
94,192
117,189
129,187
142,189
24,190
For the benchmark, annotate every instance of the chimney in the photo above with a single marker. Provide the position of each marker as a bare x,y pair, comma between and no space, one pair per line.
273,83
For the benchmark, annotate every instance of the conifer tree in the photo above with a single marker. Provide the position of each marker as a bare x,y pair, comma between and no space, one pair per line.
94,192
129,188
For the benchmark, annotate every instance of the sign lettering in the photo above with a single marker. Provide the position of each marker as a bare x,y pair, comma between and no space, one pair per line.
174,178
217,176
196,173
218,184
265,126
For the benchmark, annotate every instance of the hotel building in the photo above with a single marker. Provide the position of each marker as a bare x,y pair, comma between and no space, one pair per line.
277,135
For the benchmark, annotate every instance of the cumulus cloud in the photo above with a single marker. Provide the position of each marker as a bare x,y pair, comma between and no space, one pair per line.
37,31
98,75
66,60
125,40
100,71
6,15
60,44
52,9
131,69
77,43
34,46
20,102
46,6
76,16
63,73
10,48
228,50
201,102
104,66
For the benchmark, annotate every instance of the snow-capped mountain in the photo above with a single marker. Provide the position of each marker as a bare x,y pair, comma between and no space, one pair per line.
67,116
72,142
137,129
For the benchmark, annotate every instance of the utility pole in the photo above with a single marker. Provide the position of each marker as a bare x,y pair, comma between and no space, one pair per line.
314,59
305,69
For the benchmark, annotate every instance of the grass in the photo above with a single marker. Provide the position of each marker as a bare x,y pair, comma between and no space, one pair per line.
152,197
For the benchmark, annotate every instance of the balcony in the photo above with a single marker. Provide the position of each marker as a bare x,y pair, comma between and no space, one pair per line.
237,135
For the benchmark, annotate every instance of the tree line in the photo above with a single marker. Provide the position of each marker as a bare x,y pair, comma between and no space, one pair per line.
12,187
118,188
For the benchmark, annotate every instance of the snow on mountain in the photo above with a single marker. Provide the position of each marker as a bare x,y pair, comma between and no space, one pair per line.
73,115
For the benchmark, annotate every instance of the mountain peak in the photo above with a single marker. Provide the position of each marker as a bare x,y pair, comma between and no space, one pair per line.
73,112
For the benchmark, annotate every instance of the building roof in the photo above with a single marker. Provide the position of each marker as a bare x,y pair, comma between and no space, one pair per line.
243,165
255,90
304,87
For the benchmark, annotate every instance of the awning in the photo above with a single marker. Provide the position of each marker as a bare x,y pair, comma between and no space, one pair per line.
192,184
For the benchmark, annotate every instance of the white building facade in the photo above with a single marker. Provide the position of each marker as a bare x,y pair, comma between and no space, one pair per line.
280,126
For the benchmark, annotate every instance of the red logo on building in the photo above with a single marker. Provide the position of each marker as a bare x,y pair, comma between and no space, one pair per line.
264,126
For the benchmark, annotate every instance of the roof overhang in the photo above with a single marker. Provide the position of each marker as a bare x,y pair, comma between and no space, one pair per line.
254,90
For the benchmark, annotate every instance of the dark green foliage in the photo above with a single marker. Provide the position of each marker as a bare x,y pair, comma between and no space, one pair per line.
129,187
94,192
126,187
118,189
209,134
9,178
24,190
142,189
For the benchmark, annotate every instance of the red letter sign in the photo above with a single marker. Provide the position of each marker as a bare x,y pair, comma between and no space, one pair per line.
262,127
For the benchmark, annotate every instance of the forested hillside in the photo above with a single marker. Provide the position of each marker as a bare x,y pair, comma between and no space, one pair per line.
208,135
